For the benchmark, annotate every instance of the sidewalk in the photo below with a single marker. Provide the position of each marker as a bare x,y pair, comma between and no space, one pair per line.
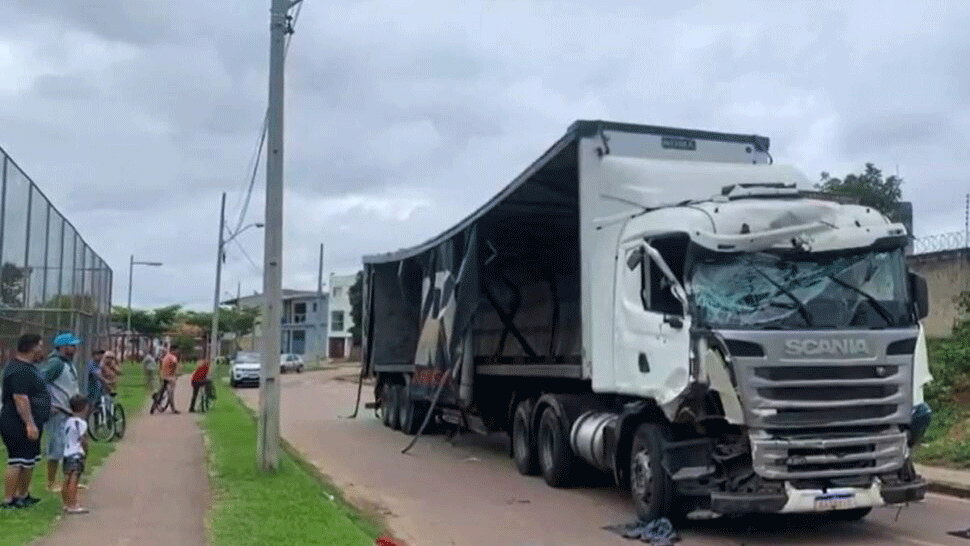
152,491
944,480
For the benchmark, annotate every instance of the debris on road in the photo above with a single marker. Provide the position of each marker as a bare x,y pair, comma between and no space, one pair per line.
659,532
961,534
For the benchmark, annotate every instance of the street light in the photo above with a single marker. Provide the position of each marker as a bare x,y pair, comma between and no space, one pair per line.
131,275
220,250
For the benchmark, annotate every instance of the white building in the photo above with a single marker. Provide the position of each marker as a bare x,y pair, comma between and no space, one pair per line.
341,321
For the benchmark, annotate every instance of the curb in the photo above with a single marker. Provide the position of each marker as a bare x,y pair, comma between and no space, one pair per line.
952,489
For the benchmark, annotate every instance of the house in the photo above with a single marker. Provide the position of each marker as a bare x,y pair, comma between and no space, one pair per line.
341,321
304,326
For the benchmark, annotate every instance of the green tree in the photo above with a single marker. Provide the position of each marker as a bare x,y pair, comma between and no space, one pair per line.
356,295
12,284
869,187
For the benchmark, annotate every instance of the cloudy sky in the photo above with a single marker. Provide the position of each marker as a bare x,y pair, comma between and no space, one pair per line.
404,116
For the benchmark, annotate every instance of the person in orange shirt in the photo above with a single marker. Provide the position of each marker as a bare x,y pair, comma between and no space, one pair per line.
200,379
169,374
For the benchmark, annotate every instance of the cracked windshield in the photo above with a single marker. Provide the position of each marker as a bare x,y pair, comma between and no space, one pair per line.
438,273
765,290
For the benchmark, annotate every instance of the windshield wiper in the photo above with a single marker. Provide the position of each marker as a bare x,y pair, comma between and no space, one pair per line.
879,307
802,310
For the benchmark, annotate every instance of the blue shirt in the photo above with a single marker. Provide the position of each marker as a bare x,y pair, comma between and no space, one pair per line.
94,384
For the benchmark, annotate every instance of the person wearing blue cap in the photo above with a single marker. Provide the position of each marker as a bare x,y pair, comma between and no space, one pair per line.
62,383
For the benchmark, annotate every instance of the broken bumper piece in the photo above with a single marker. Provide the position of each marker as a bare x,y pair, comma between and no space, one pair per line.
794,500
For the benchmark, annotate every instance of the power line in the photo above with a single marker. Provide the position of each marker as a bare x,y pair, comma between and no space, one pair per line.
246,255
262,135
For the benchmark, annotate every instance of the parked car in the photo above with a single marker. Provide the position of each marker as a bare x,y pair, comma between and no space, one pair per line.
291,362
245,370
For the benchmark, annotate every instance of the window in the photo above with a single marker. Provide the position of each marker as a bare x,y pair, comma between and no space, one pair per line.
337,318
314,308
299,312
336,292
657,290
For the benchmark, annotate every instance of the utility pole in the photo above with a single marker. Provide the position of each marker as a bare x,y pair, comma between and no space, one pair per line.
214,335
131,277
268,430
321,314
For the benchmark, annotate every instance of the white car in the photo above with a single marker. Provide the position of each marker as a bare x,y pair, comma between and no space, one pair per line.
245,370
291,362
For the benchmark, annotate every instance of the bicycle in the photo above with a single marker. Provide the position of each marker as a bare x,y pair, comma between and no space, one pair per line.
107,422
205,399
160,398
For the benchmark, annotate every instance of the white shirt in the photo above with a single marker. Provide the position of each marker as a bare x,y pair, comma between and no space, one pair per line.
74,430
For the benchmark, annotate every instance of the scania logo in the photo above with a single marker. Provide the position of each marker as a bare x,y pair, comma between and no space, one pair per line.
828,347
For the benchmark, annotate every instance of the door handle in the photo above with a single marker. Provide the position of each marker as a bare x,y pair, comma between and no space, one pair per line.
674,321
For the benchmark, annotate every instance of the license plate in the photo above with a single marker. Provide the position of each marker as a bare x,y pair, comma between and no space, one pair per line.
835,501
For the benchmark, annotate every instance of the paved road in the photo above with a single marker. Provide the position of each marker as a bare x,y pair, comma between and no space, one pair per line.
469,494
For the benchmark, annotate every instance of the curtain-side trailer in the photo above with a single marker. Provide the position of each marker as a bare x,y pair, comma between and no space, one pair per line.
672,308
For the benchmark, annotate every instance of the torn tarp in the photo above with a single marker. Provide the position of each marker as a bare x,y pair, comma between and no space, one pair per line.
659,532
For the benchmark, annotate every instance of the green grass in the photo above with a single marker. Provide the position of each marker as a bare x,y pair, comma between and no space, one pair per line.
289,506
24,526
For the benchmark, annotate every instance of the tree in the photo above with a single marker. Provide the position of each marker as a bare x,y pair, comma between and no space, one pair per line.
868,187
356,295
12,284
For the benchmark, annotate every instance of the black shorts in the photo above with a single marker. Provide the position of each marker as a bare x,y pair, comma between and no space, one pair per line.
74,465
21,451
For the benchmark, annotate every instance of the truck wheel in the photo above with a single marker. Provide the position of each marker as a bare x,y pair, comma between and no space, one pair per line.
413,417
394,406
855,514
556,458
650,486
403,401
386,405
523,441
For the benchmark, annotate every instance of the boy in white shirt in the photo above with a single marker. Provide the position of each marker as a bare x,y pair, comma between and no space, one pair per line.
75,448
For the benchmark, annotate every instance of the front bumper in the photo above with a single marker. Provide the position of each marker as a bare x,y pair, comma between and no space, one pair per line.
794,500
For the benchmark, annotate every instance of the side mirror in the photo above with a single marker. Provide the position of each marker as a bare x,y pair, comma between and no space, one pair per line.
635,258
921,295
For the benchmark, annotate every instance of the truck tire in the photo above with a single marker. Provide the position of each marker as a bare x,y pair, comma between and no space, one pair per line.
650,486
394,406
524,441
556,457
403,401
854,514
413,414
386,405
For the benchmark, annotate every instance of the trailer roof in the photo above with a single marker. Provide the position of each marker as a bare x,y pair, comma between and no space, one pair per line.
579,129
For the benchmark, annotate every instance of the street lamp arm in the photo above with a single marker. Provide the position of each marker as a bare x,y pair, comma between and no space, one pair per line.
242,229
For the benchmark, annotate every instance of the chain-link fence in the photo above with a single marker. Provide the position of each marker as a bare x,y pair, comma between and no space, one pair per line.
50,279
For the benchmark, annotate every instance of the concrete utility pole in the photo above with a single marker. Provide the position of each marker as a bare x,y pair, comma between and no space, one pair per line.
220,252
268,432
321,314
214,334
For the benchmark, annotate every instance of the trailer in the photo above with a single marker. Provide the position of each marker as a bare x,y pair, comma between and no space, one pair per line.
672,308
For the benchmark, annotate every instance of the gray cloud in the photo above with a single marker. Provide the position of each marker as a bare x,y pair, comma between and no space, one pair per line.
402,117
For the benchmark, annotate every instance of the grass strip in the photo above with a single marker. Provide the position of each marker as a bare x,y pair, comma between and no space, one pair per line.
289,506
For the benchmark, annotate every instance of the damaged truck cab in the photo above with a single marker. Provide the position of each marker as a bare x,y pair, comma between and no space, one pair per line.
779,337
669,307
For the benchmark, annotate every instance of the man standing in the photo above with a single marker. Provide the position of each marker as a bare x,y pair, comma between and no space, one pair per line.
149,364
26,407
61,379
170,365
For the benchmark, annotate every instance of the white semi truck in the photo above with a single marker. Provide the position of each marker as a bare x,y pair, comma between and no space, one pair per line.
669,307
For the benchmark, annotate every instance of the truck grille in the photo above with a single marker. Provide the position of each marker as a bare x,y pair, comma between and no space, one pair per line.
824,416
832,457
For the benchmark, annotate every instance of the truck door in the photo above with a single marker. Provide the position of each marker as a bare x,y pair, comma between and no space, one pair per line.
652,331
